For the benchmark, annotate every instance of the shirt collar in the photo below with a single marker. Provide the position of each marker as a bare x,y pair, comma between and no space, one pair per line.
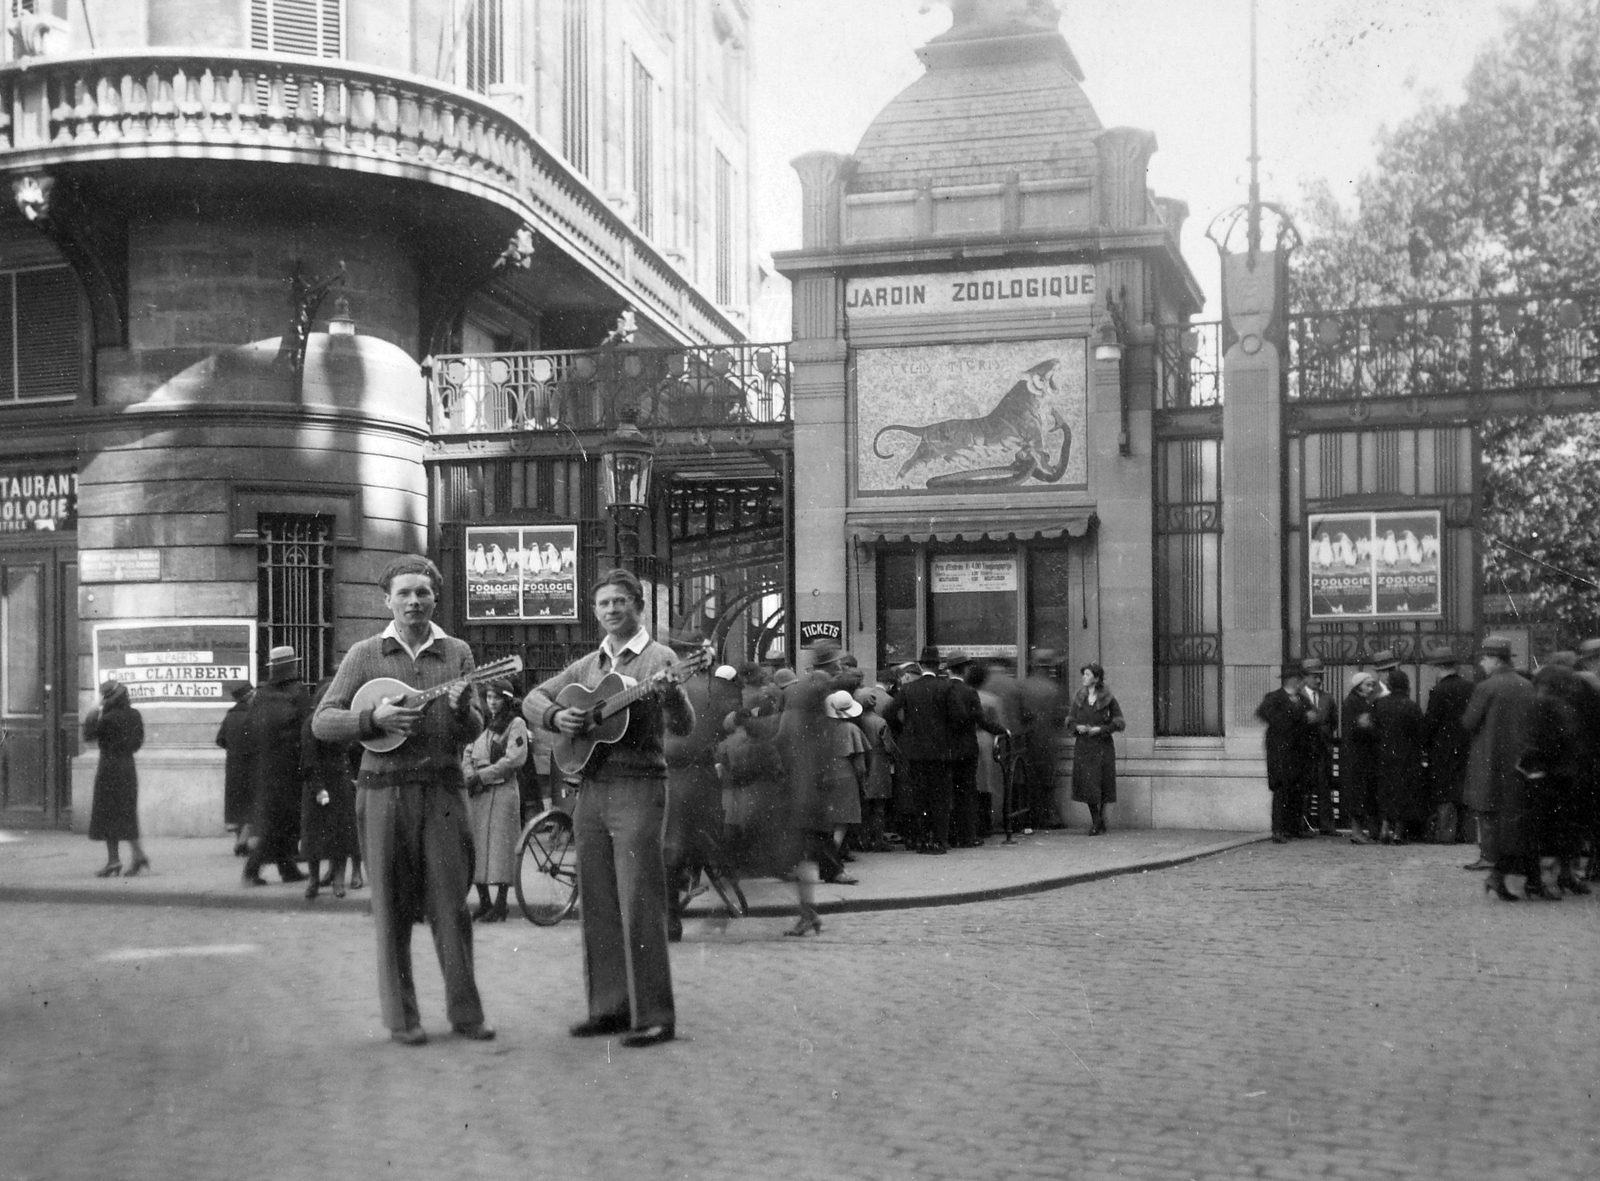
635,645
435,632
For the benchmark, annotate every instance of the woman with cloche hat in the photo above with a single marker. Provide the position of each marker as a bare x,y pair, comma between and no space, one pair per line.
114,814
494,801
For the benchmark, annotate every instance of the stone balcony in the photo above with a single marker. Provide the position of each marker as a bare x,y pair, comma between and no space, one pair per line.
278,109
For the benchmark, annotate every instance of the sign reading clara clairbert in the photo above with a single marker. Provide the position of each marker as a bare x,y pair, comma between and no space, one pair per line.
177,661
970,292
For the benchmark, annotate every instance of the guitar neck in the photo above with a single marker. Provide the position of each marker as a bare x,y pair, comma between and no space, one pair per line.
487,673
615,705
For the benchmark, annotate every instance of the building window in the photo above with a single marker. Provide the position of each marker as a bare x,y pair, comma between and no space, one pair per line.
575,93
724,258
294,583
644,149
486,45
314,28
42,324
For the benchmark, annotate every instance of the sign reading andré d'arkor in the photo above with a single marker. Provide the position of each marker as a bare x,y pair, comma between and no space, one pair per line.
1013,289
177,661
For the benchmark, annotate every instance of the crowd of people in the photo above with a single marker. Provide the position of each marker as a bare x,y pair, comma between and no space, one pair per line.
1505,759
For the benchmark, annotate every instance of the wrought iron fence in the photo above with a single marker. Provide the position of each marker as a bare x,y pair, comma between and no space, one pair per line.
719,385
1191,365
1545,341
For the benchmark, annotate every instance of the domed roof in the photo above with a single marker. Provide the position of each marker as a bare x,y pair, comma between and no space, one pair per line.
984,109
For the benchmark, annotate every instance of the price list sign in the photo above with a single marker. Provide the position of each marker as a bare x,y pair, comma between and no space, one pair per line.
178,661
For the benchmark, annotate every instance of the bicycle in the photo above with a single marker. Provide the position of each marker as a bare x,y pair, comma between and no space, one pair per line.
547,868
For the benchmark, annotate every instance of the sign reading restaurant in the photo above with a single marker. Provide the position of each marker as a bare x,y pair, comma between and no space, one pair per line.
1017,288
36,498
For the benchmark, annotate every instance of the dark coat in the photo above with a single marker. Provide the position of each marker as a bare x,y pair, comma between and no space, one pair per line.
327,831
272,737
966,716
114,814
1560,758
921,717
1358,757
1094,756
1446,742
1292,739
1400,789
235,768
1498,717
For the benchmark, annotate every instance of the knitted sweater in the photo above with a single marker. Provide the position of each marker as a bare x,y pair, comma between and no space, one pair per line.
433,752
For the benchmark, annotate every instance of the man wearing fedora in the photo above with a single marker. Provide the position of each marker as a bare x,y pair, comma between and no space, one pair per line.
920,716
1498,717
1319,778
1448,746
1292,742
272,742
966,718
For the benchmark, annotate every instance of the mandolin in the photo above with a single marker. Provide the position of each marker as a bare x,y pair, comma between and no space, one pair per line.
607,706
380,689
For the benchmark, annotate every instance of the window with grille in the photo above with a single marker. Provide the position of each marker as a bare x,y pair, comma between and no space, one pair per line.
485,45
294,580
575,93
724,253
313,28
42,332
643,153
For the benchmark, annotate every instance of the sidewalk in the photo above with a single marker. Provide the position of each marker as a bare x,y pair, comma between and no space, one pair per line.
51,866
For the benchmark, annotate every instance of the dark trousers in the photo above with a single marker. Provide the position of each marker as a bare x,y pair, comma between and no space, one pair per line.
420,866
694,826
964,802
1287,806
932,789
622,882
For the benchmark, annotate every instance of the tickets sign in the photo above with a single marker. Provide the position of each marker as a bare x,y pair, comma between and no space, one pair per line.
526,573
177,661
1374,565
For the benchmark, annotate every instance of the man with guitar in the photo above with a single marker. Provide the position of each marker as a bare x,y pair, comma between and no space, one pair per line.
621,810
419,846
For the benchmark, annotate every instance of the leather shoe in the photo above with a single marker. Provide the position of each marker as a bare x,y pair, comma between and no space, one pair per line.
844,879
409,1037
478,1032
1479,864
600,1026
258,880
650,1035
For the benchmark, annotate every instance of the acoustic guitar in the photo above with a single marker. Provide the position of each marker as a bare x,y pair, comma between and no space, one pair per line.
607,706
380,689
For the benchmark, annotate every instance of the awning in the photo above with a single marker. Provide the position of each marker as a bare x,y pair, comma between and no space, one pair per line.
971,525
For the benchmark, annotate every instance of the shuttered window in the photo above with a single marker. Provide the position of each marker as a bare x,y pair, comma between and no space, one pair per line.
644,148
486,45
42,327
724,214
575,91
313,28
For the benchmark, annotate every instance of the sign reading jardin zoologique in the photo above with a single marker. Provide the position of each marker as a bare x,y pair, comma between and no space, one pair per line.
1373,565
1015,289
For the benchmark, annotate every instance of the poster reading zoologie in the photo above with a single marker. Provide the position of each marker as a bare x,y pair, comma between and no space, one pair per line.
527,573
1374,565
972,417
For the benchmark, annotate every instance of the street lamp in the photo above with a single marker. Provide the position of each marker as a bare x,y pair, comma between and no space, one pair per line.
626,462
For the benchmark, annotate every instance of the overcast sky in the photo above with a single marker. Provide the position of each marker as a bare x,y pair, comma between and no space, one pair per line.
1332,72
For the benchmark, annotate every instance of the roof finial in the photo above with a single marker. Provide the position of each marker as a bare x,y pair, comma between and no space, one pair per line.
990,18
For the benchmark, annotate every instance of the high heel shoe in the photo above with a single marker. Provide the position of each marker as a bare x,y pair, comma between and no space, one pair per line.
1535,888
355,881
312,889
806,924
337,888
139,862
1571,884
112,869
1496,884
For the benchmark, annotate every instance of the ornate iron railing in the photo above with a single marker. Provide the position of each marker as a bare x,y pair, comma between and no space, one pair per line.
167,104
1191,365
1459,346
711,386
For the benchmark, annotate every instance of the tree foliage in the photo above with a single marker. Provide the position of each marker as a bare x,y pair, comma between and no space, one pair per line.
1498,194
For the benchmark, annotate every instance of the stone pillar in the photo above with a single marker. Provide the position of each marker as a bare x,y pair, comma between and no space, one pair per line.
1124,157
822,177
820,453
1252,497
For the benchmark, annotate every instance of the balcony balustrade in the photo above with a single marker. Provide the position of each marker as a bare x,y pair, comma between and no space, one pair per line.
713,387
174,104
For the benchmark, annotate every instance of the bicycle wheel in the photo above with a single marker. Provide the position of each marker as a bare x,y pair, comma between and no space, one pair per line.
728,889
547,869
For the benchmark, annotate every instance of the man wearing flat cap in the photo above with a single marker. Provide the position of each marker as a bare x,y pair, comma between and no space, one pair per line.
1448,746
1498,717
1319,779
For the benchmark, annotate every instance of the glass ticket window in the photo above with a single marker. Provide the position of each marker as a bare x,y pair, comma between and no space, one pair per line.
972,604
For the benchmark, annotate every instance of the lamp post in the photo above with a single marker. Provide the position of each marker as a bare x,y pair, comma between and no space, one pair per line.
626,462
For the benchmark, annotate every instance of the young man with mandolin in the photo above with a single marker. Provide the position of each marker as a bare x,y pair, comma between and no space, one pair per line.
419,846
621,810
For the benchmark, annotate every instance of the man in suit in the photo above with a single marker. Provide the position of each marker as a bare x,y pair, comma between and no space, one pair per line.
1292,744
1498,717
620,821
966,718
419,844
919,715
1448,746
1319,778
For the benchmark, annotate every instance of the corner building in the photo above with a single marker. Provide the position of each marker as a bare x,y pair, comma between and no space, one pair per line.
234,233
979,306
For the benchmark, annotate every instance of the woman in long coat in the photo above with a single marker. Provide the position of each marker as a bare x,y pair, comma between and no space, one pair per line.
114,814
327,807
1499,717
1358,756
1094,717
236,771
272,737
1400,789
494,799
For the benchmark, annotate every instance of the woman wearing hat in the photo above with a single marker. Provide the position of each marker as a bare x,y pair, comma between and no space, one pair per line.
1401,794
494,802
272,735
1358,756
1094,717
114,814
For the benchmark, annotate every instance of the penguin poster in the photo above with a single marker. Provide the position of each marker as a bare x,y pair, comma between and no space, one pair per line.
1405,553
1340,546
1374,565
493,575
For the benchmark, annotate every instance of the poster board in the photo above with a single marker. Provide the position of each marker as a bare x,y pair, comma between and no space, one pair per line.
1374,565
182,662
522,573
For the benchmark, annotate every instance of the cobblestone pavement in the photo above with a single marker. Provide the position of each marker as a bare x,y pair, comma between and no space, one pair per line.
1302,1011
